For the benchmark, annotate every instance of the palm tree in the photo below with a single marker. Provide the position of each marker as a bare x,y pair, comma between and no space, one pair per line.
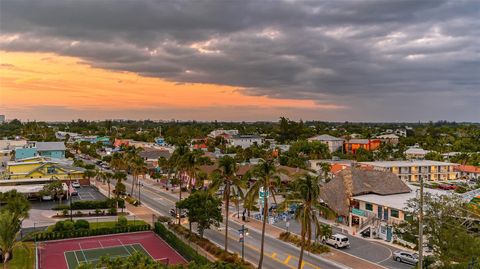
137,167
9,230
226,176
306,193
107,177
267,180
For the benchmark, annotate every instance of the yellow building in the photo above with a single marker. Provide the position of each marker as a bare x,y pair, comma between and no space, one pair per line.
413,169
42,167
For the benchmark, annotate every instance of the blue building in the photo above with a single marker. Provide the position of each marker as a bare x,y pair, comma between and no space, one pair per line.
160,141
47,149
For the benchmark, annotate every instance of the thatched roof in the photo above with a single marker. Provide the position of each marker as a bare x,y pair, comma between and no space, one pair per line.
353,181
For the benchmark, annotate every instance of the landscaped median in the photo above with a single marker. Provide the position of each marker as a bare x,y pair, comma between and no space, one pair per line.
90,208
314,247
189,253
82,228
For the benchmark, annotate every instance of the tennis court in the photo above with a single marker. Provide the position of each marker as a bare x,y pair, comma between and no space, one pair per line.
69,253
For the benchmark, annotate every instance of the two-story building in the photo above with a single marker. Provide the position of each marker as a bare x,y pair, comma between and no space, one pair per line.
46,149
411,170
245,141
40,167
351,146
333,143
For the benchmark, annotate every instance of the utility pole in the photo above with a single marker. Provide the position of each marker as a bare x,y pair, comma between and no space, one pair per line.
70,195
420,226
242,234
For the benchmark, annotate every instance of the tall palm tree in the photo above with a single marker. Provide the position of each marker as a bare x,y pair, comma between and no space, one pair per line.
137,167
267,179
306,193
106,178
9,229
226,176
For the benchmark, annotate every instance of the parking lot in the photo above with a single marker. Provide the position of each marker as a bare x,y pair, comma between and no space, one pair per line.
84,193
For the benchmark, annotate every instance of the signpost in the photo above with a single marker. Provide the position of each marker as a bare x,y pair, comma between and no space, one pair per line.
262,194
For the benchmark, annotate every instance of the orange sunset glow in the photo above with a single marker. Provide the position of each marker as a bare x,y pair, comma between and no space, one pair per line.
49,80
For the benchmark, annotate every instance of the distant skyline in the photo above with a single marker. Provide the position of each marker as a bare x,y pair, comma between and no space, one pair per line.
370,60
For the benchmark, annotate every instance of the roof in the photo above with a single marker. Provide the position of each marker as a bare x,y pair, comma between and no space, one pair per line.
396,201
416,151
387,136
246,137
325,137
353,182
468,168
154,154
409,163
47,146
358,141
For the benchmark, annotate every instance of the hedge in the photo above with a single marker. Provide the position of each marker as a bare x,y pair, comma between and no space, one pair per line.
44,236
85,204
185,250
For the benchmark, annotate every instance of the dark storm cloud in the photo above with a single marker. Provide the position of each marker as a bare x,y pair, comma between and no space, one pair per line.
329,51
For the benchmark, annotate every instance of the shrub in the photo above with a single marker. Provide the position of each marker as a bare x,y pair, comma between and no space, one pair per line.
65,212
112,211
58,226
121,203
79,213
164,219
98,211
122,221
68,225
82,224
297,240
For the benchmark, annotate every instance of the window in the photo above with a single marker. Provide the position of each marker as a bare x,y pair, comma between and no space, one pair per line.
50,170
394,213
368,207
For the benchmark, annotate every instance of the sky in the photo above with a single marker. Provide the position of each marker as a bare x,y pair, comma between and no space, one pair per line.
358,60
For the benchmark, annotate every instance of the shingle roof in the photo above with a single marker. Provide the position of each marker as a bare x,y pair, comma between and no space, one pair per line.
326,137
155,154
352,182
45,146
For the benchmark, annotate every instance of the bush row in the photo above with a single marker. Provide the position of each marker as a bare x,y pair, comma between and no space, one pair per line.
221,254
185,250
43,236
86,204
297,240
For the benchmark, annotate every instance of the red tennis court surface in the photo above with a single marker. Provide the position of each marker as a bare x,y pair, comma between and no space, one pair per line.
51,254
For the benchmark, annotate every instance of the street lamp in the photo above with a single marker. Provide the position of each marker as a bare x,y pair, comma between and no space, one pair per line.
70,194
242,234
140,184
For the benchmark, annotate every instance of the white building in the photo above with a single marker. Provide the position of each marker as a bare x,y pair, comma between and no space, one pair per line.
389,138
222,132
412,170
245,141
333,143
416,153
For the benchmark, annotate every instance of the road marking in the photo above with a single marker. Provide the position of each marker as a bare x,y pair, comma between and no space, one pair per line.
274,255
287,259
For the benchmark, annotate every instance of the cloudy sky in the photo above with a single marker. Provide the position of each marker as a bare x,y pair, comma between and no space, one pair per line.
359,60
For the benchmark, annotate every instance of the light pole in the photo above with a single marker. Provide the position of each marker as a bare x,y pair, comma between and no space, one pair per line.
242,234
140,185
70,195
420,226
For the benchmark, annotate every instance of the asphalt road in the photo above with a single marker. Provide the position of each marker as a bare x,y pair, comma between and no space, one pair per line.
375,252
278,255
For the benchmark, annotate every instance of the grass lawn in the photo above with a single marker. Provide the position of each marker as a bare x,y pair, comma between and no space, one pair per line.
23,257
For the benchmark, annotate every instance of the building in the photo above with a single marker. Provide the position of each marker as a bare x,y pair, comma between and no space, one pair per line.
333,143
468,171
412,170
416,152
121,142
2,118
245,141
389,138
224,133
40,167
351,146
151,156
160,141
46,149
335,166
64,135
374,200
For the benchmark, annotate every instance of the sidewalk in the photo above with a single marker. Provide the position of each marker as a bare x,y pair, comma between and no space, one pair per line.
334,255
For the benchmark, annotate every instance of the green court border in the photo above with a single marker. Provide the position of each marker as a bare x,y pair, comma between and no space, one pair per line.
75,262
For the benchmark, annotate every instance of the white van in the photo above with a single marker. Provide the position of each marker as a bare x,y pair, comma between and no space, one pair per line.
337,240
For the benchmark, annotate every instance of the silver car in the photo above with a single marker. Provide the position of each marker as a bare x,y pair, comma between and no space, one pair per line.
406,257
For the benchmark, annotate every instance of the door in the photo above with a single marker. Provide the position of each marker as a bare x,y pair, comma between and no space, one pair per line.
389,234
385,213
379,214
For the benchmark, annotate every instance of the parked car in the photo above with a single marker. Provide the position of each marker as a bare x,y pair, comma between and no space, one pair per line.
337,240
173,213
47,197
74,193
405,257
76,184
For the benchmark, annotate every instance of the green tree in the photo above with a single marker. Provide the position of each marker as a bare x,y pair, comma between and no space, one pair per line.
266,178
9,230
202,208
449,226
434,156
55,189
16,203
225,176
305,193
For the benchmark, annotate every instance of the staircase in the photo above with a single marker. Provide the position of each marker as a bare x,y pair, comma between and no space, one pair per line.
368,223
